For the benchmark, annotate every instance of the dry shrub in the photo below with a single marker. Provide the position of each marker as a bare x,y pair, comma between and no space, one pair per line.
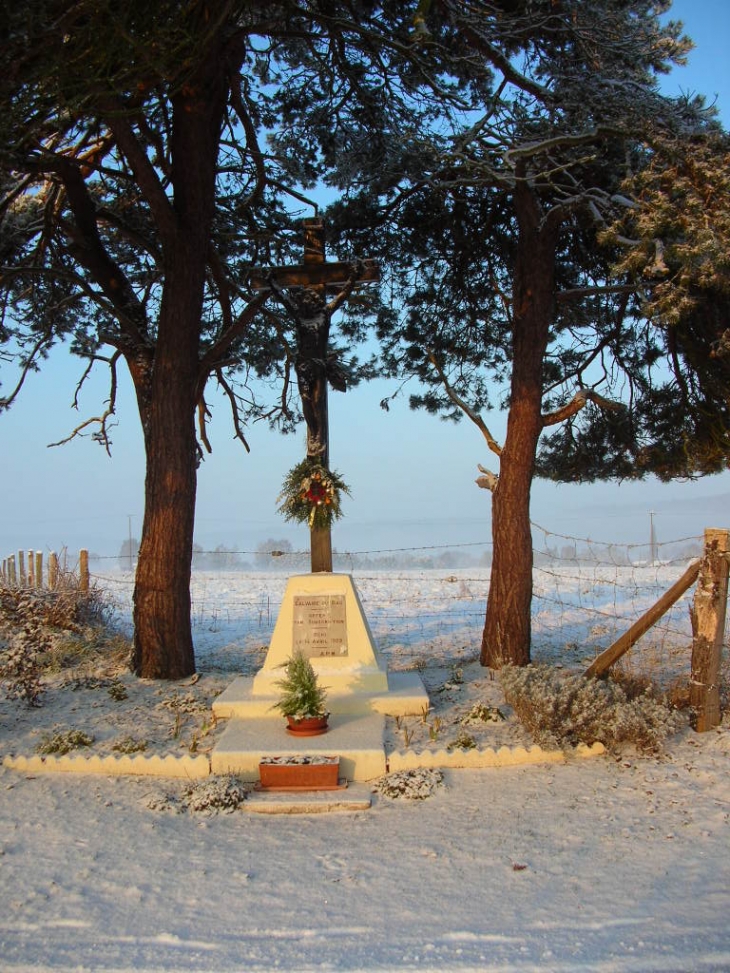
43,630
63,741
560,709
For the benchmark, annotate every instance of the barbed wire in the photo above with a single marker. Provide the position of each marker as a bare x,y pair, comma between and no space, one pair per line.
584,553
585,595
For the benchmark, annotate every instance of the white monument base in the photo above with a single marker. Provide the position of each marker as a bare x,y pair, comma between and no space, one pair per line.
321,616
405,696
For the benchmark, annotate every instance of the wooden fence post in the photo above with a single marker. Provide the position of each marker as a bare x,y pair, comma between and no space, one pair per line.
84,570
52,570
21,569
31,570
39,569
12,576
708,629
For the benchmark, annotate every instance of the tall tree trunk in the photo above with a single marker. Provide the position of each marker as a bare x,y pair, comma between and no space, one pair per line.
163,646
506,636
170,385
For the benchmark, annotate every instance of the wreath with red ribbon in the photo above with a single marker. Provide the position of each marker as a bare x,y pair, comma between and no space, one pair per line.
311,494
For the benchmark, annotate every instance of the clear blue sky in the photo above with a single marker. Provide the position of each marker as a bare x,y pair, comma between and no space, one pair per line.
412,476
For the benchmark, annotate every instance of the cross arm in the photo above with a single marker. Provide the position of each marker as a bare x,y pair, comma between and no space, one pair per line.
334,274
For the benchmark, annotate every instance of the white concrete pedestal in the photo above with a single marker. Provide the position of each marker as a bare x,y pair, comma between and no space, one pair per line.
322,617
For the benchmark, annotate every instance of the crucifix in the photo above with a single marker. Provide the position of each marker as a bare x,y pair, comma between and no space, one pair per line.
307,285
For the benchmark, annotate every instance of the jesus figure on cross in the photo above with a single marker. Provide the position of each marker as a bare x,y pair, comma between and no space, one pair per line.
303,288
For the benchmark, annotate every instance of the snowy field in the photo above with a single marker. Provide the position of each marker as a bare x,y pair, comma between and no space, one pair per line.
611,864
436,616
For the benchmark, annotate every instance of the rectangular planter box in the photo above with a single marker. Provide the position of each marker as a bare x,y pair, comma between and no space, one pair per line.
300,773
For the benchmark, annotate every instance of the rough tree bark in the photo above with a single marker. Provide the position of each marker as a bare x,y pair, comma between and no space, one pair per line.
506,636
169,386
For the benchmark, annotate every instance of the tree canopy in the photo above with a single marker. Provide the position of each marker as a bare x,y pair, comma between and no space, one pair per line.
152,155
509,161
521,244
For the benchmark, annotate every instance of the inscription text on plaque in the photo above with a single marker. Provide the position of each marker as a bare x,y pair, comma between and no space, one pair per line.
319,625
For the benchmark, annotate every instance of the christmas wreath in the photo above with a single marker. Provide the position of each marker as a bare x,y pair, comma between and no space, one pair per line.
311,494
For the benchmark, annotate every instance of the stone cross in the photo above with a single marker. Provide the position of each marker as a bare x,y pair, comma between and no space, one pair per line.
307,285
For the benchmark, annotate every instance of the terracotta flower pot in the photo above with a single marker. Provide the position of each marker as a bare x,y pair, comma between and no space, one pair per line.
300,773
308,726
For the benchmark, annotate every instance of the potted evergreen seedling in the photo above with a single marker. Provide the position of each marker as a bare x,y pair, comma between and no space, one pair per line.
302,699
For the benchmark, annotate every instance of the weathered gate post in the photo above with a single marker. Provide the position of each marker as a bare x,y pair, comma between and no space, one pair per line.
84,570
53,570
708,629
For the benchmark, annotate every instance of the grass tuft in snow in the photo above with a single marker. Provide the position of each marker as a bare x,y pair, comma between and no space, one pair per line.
464,741
62,742
129,745
560,709
481,713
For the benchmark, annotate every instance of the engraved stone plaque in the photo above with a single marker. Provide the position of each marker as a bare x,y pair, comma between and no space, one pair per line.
319,625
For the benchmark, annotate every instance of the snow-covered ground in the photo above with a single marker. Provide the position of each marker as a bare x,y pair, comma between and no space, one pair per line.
607,864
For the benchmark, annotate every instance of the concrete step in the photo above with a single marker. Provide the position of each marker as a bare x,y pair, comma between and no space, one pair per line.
356,797
406,696
358,740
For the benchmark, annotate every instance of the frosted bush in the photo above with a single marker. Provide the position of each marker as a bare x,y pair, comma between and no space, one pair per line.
42,631
20,670
560,709
414,785
217,794
27,638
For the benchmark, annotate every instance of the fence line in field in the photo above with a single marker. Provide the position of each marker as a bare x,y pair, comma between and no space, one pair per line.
16,570
586,594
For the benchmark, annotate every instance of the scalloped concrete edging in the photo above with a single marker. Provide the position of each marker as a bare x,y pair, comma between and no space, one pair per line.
190,767
487,757
168,765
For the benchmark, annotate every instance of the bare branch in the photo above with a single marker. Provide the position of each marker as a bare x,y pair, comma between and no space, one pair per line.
29,366
488,481
530,149
102,421
144,173
217,352
203,416
93,256
235,413
578,402
252,143
466,409
576,293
